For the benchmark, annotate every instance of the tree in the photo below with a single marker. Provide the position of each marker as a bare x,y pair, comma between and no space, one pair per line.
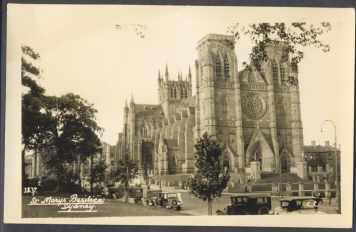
65,127
34,121
126,171
97,172
212,175
73,133
295,36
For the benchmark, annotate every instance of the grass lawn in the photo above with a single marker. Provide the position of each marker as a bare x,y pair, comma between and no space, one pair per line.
195,206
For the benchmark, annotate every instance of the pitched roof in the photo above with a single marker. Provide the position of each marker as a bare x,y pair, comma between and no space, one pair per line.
148,110
251,74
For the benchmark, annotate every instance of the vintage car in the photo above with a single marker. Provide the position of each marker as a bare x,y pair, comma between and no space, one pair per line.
152,196
248,204
170,200
115,192
136,193
298,205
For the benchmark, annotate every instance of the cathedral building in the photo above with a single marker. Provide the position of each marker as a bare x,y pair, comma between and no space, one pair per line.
254,112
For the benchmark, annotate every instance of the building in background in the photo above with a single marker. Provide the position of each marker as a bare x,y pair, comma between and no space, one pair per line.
119,148
35,164
322,162
254,112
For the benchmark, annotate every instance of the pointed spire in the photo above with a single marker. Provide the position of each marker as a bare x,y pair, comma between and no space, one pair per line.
179,76
132,99
189,75
159,77
167,73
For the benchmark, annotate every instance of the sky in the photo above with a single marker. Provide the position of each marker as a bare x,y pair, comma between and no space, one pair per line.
82,51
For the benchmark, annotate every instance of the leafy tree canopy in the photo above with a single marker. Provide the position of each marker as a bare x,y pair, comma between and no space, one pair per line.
295,36
74,130
126,171
33,119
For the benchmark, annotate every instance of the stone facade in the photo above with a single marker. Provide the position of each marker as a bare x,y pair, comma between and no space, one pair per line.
255,113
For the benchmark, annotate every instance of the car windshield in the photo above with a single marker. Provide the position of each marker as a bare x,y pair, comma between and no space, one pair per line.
261,200
239,200
175,196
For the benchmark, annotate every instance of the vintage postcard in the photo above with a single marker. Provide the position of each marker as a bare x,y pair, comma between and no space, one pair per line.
179,115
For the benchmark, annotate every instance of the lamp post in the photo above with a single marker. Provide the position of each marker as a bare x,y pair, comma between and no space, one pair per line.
337,184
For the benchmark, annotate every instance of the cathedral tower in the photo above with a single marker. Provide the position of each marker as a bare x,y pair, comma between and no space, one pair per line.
173,92
218,99
286,125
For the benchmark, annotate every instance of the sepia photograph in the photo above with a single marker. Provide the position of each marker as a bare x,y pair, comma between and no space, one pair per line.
146,111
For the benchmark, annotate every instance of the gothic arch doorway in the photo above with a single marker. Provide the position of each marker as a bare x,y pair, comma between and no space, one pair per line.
257,154
172,164
259,150
147,156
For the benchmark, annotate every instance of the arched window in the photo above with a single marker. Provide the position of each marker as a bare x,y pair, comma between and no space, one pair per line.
174,93
226,67
224,106
284,75
182,93
144,131
171,92
185,93
226,162
217,66
275,71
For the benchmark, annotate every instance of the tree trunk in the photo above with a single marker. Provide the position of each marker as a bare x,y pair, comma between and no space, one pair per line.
79,172
91,174
126,191
36,163
210,206
23,166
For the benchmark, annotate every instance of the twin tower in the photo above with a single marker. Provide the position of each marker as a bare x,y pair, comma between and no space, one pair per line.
255,112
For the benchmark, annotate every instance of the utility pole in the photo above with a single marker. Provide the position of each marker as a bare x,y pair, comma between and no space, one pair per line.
337,183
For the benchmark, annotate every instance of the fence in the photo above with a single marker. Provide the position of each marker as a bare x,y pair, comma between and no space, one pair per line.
277,189
290,189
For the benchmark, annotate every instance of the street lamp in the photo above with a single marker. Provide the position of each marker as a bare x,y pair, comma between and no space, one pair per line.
337,184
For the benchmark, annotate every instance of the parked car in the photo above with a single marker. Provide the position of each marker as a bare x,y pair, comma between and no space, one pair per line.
248,204
116,192
152,197
170,200
136,193
298,205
